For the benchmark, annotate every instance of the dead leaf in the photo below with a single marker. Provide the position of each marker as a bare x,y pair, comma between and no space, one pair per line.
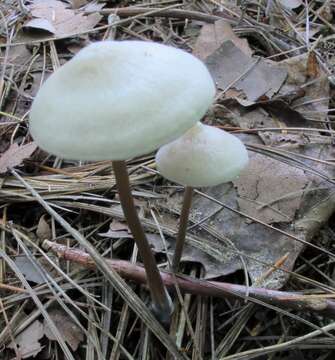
15,155
29,270
116,234
117,230
290,4
318,90
94,6
18,55
40,24
54,17
76,4
270,190
282,111
213,35
27,340
118,226
283,140
43,231
71,332
312,66
230,67
215,259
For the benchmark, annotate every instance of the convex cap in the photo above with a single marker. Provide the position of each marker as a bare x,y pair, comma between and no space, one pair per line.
120,99
203,156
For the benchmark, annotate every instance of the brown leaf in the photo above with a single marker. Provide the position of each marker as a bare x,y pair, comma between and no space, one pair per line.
117,230
15,155
76,4
53,16
290,4
117,226
116,234
18,55
27,340
298,76
312,66
40,24
212,36
230,67
215,264
71,332
43,231
270,190
29,270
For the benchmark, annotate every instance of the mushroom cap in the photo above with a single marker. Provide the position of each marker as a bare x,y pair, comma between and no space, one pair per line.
203,156
120,99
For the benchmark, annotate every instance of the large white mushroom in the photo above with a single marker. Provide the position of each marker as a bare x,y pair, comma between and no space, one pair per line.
203,156
117,100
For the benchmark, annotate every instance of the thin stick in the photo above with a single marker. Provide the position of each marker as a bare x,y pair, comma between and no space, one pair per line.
180,241
130,271
161,302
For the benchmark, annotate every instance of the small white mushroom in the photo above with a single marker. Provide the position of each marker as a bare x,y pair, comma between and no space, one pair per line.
203,156
117,100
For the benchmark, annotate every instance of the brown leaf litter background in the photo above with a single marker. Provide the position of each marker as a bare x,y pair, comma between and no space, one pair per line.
274,75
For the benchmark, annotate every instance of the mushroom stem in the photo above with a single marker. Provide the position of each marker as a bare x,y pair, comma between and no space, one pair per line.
180,241
161,301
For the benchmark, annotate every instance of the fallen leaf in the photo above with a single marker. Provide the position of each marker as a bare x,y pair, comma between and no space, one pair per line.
76,4
283,140
29,270
94,6
71,332
15,155
116,234
290,4
117,230
19,55
54,17
315,102
27,340
295,102
326,12
40,24
116,225
230,67
270,190
312,66
215,260
43,231
212,36
282,111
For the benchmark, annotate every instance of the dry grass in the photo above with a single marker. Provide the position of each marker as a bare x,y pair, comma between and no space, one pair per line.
109,316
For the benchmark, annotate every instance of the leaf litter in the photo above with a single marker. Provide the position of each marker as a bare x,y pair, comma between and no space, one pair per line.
28,340
54,17
71,332
273,70
15,155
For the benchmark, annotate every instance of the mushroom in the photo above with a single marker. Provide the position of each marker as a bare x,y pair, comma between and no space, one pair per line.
116,100
203,156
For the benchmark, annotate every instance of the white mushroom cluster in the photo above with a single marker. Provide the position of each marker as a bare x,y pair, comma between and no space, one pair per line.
116,100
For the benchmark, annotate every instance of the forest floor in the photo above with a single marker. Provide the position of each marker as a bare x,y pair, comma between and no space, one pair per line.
258,269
